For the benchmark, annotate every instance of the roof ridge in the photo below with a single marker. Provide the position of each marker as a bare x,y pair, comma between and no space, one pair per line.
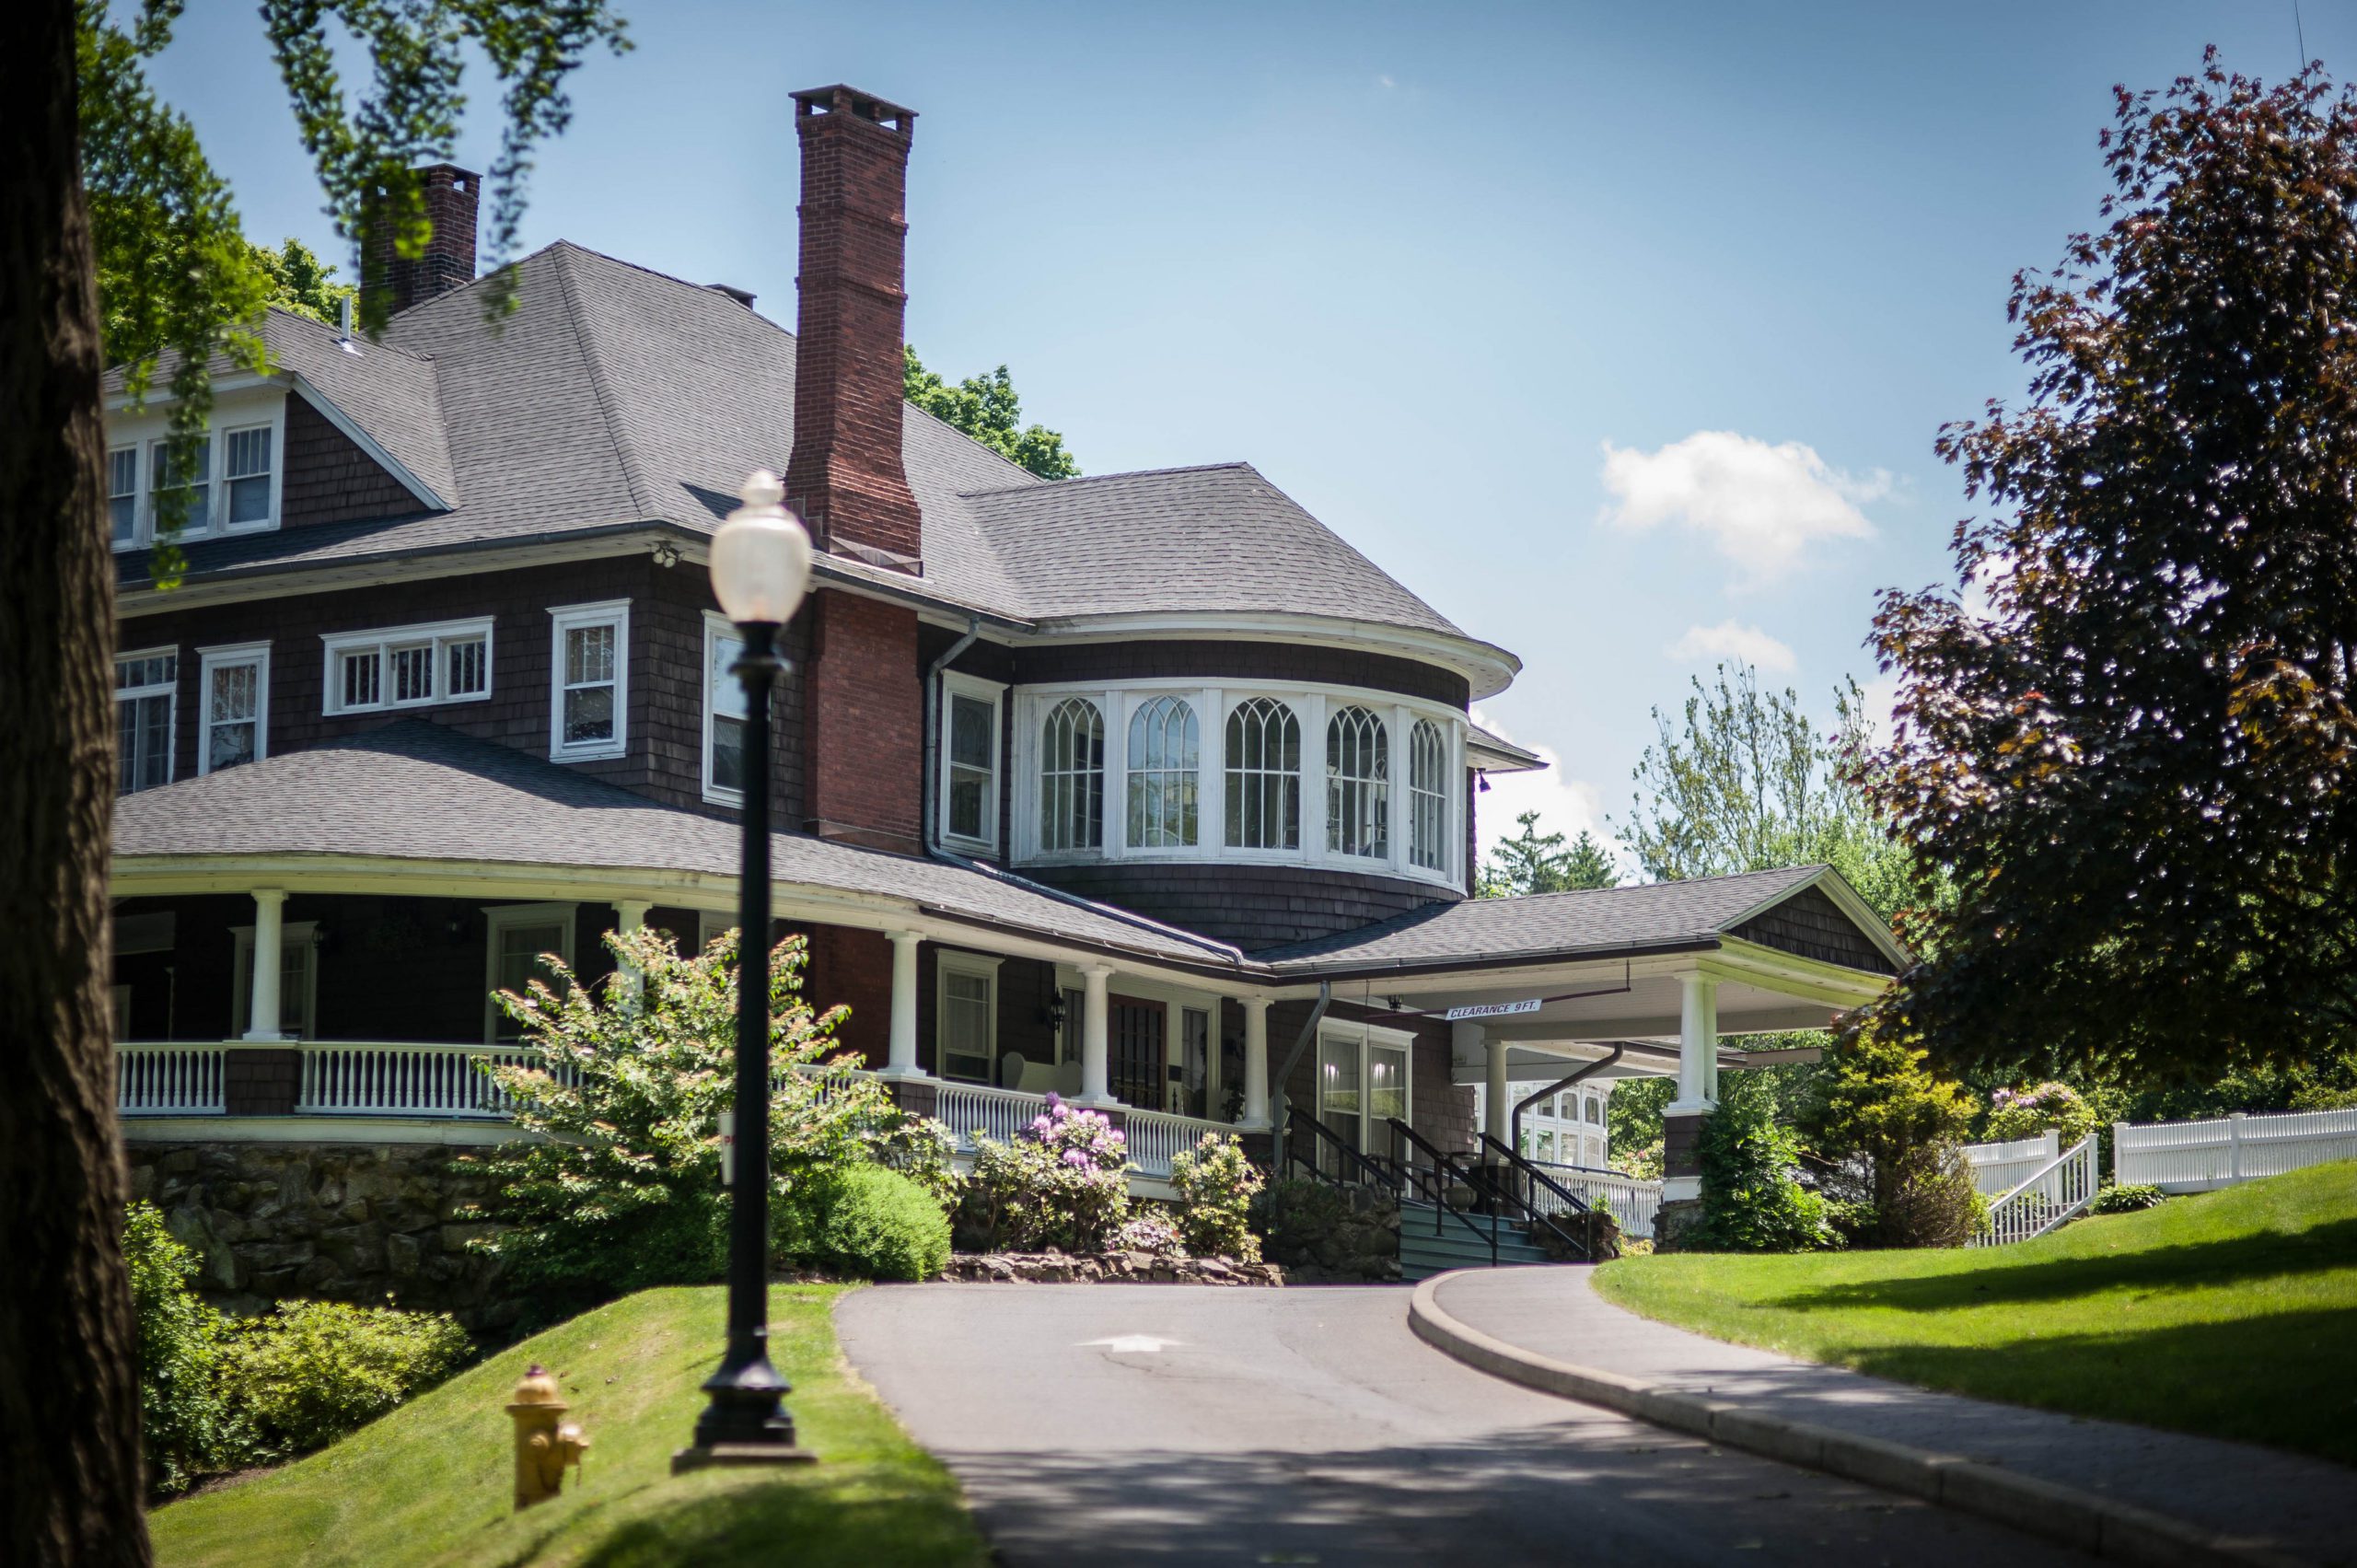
1125,473
625,452
1667,882
368,345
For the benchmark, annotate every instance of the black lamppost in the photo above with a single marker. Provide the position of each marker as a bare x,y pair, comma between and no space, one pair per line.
760,567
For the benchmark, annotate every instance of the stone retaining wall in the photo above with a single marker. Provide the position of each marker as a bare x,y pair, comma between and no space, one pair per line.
1140,1267
349,1222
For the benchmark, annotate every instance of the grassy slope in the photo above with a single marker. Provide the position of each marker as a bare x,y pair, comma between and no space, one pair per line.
429,1484
2232,1314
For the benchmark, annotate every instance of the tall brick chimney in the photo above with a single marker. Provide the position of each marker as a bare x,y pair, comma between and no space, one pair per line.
844,475
452,195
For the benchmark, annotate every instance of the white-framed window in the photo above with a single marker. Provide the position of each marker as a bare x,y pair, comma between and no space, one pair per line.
969,727
965,1016
1262,758
146,713
407,667
1071,777
589,680
1164,769
723,712
233,687
298,980
1365,1079
519,936
123,496
1358,785
1428,795
234,479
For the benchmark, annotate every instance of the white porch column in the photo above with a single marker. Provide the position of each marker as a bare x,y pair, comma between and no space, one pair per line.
1698,1045
1256,1061
262,1013
1497,1095
1096,1084
901,1057
630,914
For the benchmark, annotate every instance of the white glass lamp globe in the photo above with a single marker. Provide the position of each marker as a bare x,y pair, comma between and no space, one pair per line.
760,557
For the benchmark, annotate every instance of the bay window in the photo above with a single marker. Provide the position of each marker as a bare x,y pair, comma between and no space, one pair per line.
1358,785
1071,777
1165,759
1263,786
1428,797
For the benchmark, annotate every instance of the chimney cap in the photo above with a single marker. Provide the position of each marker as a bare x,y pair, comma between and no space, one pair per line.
842,99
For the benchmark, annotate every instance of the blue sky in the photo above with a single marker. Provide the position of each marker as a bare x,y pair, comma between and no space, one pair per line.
1621,333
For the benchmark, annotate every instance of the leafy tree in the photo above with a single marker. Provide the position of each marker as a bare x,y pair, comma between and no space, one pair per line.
1532,861
112,222
986,408
1885,1125
301,282
2139,761
1752,1199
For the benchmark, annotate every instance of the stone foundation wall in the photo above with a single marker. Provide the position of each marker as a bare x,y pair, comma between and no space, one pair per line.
349,1222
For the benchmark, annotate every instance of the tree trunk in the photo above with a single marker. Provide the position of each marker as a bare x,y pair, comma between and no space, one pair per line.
70,1486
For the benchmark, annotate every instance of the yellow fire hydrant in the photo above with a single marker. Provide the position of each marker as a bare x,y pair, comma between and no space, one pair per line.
544,1445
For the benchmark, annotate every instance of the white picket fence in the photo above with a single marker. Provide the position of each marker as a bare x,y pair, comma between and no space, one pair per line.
2196,1156
2045,1198
1998,1168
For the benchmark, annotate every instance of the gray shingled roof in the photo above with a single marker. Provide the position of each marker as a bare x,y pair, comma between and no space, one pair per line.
415,790
1659,914
614,396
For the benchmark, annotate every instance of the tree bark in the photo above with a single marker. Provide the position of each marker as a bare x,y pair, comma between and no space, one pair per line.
71,1492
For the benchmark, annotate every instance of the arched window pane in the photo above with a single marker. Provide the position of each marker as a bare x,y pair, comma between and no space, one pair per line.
1165,751
1071,777
1358,785
1428,797
1263,777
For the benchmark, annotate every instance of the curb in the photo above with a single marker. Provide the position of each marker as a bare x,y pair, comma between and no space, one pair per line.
2084,1520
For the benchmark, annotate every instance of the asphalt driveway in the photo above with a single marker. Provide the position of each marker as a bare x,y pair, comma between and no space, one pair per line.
1169,1424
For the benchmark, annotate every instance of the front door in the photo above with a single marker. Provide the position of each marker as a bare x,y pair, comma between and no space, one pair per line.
1137,1051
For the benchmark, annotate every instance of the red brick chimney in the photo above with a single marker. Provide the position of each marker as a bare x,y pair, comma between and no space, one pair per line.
451,196
844,476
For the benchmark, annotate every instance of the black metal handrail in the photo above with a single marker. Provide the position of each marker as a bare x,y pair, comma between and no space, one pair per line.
1531,1173
1377,1176
1444,1164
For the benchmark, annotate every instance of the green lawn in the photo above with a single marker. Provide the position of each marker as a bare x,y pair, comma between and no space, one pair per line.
429,1484
2232,1314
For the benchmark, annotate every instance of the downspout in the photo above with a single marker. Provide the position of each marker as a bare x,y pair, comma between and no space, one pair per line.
1513,1129
931,783
1293,1059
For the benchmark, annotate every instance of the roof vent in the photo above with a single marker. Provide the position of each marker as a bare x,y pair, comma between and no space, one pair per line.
743,296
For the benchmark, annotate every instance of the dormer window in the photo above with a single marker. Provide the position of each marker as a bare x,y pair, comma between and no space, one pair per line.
229,483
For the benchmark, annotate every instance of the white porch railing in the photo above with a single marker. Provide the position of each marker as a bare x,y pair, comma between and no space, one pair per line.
169,1079
1154,1136
1632,1203
1998,1168
2048,1196
345,1079
2195,1156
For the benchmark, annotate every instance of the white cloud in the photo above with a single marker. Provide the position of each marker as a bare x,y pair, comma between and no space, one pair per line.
1565,805
1760,506
1384,82
1728,640
1877,698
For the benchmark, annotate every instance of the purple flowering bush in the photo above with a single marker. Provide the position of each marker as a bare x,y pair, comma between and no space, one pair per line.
1150,1231
1058,1183
2025,1113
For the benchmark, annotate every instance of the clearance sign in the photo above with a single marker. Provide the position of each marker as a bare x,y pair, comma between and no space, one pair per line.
1494,1010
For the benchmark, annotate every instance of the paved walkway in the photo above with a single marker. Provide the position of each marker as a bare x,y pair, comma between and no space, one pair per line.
2300,1505
1168,1425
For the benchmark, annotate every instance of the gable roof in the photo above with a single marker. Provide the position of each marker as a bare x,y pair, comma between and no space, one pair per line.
1598,923
415,790
614,396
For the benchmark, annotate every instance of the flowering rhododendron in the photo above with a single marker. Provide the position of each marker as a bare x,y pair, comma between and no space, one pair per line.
1060,1182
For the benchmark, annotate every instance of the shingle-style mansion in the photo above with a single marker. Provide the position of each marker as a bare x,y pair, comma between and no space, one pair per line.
1145,788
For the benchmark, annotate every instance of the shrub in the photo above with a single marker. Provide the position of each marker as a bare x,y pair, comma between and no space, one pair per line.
1890,1134
1216,1184
1752,1201
183,1422
622,1190
2025,1113
312,1371
2126,1199
1150,1232
1060,1182
867,1222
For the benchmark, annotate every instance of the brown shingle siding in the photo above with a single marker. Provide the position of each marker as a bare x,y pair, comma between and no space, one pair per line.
330,479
